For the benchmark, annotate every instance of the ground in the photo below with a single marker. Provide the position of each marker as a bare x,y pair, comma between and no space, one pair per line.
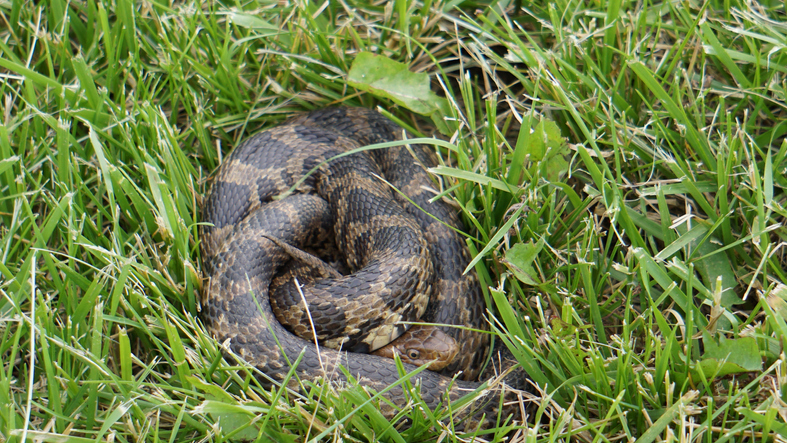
620,166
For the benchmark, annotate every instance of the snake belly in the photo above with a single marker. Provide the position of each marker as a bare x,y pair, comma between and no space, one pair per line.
396,250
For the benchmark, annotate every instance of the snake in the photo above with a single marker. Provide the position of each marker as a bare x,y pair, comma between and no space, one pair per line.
306,183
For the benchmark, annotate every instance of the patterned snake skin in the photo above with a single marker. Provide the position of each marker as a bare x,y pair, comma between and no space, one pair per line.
405,265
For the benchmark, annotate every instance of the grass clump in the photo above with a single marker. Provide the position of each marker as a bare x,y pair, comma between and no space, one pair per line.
621,167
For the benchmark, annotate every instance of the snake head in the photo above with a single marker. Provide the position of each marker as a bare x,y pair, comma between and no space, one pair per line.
421,345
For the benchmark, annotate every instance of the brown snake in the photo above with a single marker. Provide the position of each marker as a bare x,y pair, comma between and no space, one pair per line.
400,257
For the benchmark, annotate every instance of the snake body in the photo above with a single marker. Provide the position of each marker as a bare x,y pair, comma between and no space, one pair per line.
407,263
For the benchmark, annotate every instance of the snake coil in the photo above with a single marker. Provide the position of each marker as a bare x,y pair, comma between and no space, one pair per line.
407,263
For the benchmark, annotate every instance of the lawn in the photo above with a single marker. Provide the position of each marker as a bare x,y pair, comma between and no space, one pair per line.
620,167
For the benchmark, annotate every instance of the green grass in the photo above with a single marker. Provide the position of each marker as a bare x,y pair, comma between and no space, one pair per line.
622,166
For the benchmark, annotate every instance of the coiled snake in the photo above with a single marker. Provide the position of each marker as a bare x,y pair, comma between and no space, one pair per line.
399,255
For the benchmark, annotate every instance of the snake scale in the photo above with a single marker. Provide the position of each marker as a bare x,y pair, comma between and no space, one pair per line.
406,264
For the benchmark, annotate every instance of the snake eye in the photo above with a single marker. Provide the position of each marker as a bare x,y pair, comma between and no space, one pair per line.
412,354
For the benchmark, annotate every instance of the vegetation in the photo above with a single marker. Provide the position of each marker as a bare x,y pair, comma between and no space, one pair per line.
621,166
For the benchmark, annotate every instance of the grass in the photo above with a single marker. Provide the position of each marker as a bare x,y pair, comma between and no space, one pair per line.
622,166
